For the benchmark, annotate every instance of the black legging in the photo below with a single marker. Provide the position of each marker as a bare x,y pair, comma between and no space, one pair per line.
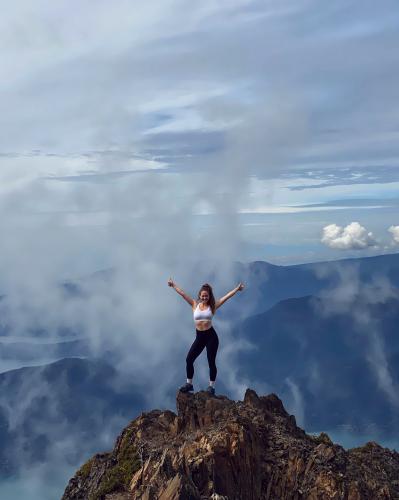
210,339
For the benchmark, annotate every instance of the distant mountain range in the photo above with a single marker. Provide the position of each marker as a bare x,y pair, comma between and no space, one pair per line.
344,370
26,351
335,356
267,284
80,401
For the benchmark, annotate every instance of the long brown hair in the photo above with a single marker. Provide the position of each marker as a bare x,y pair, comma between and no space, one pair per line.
211,301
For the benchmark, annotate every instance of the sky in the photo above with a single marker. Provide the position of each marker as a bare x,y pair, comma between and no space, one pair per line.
275,118
149,136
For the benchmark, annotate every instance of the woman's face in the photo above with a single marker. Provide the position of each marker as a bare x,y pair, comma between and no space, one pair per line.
204,296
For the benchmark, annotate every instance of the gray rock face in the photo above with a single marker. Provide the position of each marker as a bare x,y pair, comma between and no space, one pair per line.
216,448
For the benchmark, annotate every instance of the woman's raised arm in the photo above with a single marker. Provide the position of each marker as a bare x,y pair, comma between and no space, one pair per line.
221,301
181,292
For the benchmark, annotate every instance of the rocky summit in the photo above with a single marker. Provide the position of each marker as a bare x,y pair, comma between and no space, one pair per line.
216,448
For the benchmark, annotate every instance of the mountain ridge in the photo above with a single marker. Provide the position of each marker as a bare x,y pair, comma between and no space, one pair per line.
215,447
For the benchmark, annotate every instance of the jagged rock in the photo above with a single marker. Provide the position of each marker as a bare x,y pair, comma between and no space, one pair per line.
215,448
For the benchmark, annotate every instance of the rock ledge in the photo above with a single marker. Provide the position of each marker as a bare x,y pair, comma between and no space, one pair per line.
216,448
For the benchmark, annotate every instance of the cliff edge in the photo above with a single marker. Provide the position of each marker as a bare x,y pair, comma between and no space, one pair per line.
216,448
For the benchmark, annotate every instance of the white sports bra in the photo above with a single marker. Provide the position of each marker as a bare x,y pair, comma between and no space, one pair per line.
206,314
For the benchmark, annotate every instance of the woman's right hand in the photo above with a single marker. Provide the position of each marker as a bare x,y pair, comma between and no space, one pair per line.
170,282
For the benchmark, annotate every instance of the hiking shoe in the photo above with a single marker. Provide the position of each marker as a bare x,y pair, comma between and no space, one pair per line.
187,387
211,390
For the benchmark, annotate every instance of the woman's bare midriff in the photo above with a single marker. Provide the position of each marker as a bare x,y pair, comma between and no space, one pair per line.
202,324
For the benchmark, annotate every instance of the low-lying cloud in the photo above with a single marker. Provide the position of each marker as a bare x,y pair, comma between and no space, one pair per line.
352,296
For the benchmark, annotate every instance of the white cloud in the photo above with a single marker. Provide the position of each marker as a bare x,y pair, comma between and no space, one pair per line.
395,233
351,237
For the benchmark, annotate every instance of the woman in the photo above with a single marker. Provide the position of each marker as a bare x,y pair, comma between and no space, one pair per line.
203,309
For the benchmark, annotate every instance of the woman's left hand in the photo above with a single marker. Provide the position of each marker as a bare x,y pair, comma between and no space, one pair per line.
240,286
